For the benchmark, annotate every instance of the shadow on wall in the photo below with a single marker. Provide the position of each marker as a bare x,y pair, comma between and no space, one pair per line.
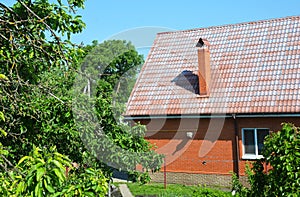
181,145
187,80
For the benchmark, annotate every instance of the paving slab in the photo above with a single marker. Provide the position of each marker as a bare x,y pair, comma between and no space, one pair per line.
125,191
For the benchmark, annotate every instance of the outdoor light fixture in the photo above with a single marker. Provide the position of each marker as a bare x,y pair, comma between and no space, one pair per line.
189,134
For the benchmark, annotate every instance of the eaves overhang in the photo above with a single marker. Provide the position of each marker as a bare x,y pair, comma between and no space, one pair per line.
210,116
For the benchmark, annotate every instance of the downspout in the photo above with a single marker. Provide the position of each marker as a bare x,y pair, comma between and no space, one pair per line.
236,148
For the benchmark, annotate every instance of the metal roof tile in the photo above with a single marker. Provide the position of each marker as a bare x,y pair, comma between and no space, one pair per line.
254,69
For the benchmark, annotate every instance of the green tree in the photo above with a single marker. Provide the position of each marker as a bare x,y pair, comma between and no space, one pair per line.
38,67
37,111
114,61
106,66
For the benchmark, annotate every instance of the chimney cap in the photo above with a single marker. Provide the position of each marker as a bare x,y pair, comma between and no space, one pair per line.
202,42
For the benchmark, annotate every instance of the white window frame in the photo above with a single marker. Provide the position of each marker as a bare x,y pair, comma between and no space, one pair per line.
256,155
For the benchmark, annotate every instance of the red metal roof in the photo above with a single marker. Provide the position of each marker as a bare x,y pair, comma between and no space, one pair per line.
255,68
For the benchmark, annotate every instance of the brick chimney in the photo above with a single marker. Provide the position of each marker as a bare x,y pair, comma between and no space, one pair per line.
203,67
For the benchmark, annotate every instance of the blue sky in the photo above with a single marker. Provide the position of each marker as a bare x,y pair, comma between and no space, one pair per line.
107,18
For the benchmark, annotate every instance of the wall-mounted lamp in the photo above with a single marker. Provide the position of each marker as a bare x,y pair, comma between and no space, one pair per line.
189,134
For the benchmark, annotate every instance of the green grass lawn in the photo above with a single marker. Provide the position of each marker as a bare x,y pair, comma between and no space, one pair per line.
173,190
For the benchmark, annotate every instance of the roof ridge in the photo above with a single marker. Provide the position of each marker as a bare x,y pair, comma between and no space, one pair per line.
228,25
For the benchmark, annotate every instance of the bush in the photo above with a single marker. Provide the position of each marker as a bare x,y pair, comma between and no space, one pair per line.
139,177
43,173
91,182
281,151
237,186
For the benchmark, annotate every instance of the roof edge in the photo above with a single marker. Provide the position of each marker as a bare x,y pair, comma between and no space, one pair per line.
230,24
191,116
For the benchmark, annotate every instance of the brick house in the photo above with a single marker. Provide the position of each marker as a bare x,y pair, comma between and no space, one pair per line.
209,96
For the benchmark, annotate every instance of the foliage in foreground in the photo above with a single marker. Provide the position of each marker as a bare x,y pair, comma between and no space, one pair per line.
37,110
174,190
282,152
39,65
43,173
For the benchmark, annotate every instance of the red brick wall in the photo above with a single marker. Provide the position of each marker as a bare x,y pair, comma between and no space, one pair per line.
182,154
274,124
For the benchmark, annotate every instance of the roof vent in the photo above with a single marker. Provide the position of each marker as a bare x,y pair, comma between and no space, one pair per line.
203,67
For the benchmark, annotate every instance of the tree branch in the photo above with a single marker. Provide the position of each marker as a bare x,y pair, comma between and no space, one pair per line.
48,27
6,170
10,164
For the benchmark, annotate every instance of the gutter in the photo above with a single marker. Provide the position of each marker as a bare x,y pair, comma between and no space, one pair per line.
236,154
263,115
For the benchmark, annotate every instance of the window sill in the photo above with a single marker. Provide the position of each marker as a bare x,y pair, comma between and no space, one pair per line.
252,157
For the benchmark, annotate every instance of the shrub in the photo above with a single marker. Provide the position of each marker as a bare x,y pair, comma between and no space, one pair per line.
43,173
281,151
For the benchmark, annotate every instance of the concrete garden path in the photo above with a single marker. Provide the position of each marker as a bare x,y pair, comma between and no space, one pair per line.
125,191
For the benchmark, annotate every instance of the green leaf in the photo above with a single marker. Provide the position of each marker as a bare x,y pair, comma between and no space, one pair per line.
59,174
20,188
29,181
91,194
33,169
59,155
37,190
2,132
70,189
48,187
40,160
39,173
3,77
31,54
36,151
58,164
24,158
2,116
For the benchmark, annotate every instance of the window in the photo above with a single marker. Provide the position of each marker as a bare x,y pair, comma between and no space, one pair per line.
253,139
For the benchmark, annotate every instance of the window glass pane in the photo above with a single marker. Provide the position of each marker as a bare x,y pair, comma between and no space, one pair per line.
261,134
249,141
